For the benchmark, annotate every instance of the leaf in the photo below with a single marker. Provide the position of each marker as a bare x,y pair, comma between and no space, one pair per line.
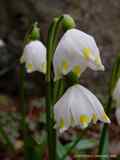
86,144
83,144
61,150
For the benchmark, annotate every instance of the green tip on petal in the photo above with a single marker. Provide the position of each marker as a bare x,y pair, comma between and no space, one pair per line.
68,22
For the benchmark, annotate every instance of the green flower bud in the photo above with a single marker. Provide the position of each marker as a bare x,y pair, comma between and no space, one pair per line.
35,34
68,22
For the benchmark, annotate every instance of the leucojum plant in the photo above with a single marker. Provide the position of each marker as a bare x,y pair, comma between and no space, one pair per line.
59,61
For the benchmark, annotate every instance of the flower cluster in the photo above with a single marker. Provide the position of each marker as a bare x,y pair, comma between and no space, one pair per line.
75,52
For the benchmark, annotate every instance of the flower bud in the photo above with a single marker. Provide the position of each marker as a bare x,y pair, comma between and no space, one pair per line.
35,34
68,22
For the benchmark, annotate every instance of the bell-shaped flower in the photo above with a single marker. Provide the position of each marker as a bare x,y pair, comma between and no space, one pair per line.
75,52
116,93
78,107
34,57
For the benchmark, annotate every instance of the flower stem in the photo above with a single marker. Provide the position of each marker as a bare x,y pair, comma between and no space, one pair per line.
104,133
51,134
22,95
23,125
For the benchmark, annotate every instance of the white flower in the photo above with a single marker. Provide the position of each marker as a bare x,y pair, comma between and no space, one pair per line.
78,107
34,57
75,52
116,93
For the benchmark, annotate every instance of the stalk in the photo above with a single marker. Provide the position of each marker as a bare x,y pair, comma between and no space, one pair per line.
23,125
51,135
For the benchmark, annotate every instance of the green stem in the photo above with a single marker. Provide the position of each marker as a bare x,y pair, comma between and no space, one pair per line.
51,134
57,83
104,133
50,40
22,95
23,125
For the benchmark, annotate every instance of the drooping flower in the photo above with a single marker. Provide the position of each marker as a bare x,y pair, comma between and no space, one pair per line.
75,52
34,57
78,107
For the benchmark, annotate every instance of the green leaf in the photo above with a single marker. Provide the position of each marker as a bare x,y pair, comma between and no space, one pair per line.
61,150
83,144
86,144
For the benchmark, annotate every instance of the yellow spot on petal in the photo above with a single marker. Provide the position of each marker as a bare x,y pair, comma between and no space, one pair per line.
105,118
65,66
94,118
44,67
84,120
86,53
77,70
30,66
62,124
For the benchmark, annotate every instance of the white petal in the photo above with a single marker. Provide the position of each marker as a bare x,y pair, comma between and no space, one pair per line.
34,55
76,48
116,93
78,105
61,112
94,104
117,114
